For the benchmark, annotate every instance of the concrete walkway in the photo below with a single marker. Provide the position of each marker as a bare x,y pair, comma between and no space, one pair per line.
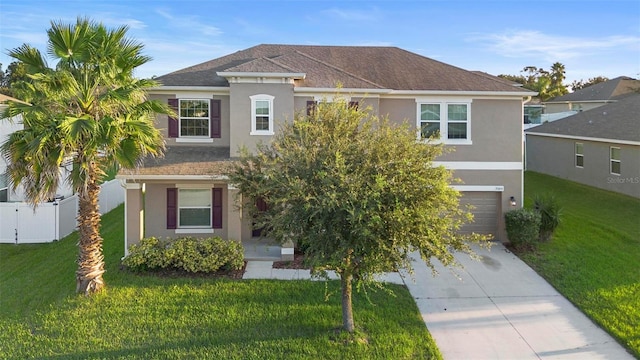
495,308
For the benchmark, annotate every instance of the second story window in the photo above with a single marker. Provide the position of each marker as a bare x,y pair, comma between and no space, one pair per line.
450,122
429,120
457,121
197,120
261,114
194,118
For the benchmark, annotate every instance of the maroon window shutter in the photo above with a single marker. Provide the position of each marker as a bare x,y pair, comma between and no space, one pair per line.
216,208
214,115
173,122
353,104
311,105
172,208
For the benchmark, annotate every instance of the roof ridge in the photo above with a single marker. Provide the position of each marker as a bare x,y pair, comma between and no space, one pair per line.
339,69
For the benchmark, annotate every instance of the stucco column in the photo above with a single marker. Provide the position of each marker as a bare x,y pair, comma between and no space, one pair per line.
234,214
133,215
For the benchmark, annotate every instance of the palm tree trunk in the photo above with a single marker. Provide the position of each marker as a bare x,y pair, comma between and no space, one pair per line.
90,257
347,309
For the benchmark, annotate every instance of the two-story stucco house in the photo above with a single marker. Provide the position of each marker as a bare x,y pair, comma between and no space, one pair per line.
240,100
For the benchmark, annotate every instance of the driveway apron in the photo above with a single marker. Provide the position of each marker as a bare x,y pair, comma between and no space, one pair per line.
499,308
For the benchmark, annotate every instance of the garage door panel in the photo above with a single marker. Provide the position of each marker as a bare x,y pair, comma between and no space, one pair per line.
485,212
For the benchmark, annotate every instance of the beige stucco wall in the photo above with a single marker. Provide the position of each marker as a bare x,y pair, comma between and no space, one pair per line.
556,157
511,180
240,112
161,121
156,210
495,126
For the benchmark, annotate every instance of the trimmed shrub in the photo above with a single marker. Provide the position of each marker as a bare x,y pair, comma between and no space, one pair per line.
550,212
523,226
186,254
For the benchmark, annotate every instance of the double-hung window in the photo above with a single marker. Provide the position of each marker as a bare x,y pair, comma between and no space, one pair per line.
457,121
194,117
448,122
614,160
579,155
197,120
194,209
429,120
262,114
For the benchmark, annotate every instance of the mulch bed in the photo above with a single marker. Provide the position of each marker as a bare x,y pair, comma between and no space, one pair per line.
297,263
175,273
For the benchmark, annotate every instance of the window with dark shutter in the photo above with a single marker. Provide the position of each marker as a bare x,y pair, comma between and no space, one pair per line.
216,208
173,121
172,208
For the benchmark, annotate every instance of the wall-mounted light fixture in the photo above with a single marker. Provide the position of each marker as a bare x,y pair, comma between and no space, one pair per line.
512,200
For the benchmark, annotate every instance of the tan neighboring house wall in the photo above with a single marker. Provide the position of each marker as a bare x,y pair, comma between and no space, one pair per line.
557,157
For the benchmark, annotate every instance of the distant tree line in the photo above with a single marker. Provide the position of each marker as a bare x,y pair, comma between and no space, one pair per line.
549,83
15,72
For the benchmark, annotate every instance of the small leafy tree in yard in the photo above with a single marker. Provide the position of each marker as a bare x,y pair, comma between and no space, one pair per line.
90,110
359,193
550,212
523,227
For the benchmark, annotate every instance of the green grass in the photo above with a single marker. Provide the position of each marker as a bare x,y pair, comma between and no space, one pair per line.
594,256
146,317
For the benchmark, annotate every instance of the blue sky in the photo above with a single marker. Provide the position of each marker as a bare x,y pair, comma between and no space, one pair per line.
591,38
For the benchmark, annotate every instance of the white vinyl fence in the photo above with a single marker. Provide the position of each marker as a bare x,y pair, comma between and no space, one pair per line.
21,224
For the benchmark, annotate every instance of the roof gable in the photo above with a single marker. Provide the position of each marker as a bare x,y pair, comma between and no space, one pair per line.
604,91
616,121
364,67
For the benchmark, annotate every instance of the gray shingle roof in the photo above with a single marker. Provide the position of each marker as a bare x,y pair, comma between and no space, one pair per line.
607,90
617,121
186,160
366,67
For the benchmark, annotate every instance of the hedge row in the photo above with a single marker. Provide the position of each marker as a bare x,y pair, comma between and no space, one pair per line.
188,254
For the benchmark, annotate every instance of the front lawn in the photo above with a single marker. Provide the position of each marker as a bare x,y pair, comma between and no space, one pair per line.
145,317
594,256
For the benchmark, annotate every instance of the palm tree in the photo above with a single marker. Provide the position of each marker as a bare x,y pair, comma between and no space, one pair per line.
89,110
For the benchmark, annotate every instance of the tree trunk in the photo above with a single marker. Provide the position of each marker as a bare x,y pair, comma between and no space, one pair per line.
90,257
347,309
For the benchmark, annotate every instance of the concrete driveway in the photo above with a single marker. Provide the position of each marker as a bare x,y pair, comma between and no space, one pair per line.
499,308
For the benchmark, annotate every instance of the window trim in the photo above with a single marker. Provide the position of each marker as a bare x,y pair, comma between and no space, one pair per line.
186,138
179,207
254,100
444,120
579,155
612,160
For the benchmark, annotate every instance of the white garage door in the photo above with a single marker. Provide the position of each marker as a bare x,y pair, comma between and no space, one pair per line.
485,212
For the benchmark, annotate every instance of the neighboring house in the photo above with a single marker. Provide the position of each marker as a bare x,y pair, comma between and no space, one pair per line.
594,95
241,99
598,147
7,127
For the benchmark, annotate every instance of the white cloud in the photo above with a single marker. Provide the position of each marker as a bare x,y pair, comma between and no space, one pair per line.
353,15
192,24
531,43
